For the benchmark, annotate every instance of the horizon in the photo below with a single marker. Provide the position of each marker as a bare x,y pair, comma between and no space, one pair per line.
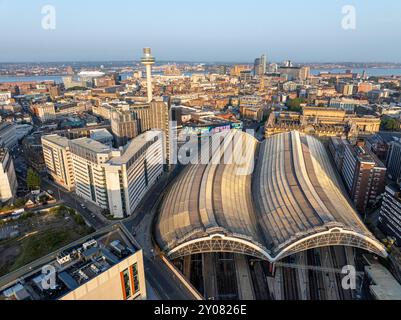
232,31
159,62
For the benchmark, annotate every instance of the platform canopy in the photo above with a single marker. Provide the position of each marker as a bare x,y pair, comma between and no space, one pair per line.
268,200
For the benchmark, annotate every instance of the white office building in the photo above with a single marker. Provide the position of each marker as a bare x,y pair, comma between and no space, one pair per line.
8,179
88,158
130,176
58,160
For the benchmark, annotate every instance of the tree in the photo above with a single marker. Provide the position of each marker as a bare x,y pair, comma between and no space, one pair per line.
32,179
390,124
20,202
295,104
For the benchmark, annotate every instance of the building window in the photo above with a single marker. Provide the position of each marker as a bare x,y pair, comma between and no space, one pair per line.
126,285
135,278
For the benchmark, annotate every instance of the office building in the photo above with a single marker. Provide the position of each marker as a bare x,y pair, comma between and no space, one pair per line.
124,126
390,212
130,175
364,175
304,73
8,179
33,152
394,161
88,157
107,265
102,136
45,112
58,160
237,69
117,180
260,66
8,135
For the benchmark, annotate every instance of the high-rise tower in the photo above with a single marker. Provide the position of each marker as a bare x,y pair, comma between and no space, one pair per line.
147,60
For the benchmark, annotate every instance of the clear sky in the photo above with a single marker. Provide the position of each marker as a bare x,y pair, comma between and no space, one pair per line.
201,30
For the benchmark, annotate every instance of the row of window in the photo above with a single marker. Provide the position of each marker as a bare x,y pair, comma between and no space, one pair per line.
130,281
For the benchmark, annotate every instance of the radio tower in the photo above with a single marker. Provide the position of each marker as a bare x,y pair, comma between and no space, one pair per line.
148,61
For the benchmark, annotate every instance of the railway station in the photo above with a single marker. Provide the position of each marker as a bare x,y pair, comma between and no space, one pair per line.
284,201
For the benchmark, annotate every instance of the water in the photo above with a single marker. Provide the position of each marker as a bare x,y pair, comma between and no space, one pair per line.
370,71
57,79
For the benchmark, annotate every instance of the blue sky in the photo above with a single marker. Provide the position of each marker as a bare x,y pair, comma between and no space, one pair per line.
201,30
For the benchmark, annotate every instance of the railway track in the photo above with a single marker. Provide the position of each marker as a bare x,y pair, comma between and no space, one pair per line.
290,283
317,290
339,261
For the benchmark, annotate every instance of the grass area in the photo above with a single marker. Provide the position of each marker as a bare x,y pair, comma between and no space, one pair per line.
54,233
39,245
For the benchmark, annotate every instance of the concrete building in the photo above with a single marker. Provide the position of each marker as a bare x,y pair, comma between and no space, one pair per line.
102,136
107,265
33,152
8,135
88,157
364,175
58,160
260,66
8,179
130,176
117,180
124,125
394,161
390,212
45,112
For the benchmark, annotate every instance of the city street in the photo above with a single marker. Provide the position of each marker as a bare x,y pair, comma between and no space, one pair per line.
95,219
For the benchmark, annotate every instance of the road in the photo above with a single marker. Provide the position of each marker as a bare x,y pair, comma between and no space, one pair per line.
160,278
95,219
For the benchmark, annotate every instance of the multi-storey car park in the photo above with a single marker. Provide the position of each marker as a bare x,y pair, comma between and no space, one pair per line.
292,202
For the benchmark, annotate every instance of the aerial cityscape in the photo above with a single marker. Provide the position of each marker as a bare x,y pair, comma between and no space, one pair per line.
148,173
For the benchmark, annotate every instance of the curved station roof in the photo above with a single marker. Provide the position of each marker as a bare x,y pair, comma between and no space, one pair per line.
267,200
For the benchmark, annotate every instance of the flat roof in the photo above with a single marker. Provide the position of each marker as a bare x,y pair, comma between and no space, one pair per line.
91,145
385,286
135,146
56,139
75,265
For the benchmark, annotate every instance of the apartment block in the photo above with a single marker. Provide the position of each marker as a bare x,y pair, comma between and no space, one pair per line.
88,157
8,179
107,265
132,174
45,112
117,180
394,161
390,212
58,160
364,175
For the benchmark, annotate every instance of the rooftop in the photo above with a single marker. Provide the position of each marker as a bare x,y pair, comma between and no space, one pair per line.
75,265
135,146
91,145
291,202
384,286
56,139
